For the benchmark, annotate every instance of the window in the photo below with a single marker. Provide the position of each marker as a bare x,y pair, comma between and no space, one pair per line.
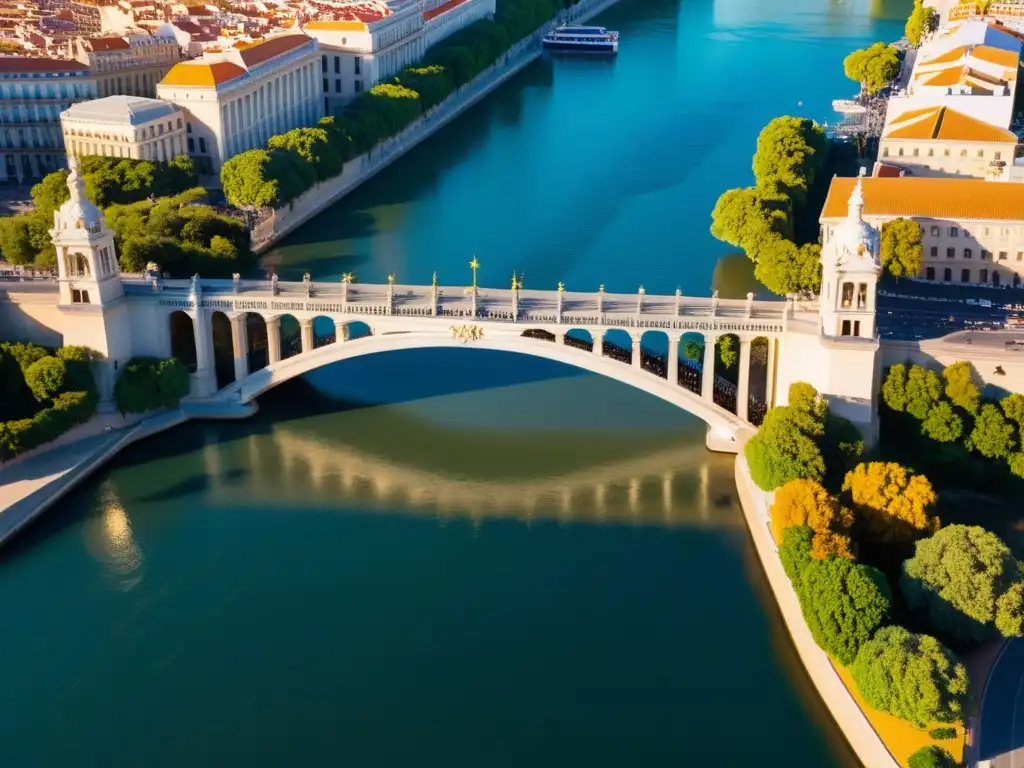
337,85
323,63
968,253
179,123
357,60
987,231
995,277
188,127
862,296
161,129
900,153
916,151
856,327
337,65
359,86
954,232
885,151
935,231
951,253
998,155
947,275
846,328
929,273
983,276
981,153
965,275
986,256
326,86
191,144
931,152
202,145
847,295
1020,255
946,153
1003,255
963,153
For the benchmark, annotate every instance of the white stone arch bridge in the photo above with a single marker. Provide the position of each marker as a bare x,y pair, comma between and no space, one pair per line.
549,324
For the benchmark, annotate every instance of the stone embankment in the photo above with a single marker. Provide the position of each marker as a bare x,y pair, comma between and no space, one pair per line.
861,736
325,194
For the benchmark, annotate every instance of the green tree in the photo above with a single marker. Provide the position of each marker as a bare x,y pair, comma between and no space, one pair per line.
78,361
873,67
313,145
942,423
967,583
26,354
1013,407
16,240
743,218
924,390
47,378
246,181
790,153
49,194
843,604
795,552
693,350
1016,463
894,388
223,248
901,247
913,677
727,352
172,382
785,268
992,435
923,19
960,386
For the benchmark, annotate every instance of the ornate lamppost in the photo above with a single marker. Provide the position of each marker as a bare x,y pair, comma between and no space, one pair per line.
391,293
561,293
600,301
474,265
433,294
515,297
346,279
679,298
640,302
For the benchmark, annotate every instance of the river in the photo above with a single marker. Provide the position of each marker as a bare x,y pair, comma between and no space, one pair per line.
465,558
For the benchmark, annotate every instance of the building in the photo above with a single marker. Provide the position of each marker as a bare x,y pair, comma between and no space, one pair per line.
939,141
92,18
237,99
446,17
131,65
972,230
33,93
971,68
125,126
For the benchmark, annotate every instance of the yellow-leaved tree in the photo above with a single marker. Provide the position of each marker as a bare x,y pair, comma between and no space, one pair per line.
893,503
806,502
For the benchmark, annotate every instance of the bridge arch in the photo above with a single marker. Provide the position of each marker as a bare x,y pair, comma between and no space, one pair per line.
725,424
183,338
256,341
223,348
289,335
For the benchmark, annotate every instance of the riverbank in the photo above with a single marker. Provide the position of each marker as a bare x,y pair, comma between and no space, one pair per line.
31,484
323,195
851,720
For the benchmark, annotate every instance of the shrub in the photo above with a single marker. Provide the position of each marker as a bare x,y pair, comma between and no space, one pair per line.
47,378
967,583
78,361
806,502
26,354
893,503
795,552
894,388
843,604
943,734
148,383
67,411
913,677
932,756
785,448
992,435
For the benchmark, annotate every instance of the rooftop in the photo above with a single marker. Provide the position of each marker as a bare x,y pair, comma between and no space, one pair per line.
104,44
28,64
210,73
945,124
120,110
931,198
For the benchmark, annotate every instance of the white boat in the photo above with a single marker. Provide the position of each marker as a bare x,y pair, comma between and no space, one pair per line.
566,39
848,107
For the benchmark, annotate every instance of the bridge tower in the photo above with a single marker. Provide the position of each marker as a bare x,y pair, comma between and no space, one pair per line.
89,281
851,267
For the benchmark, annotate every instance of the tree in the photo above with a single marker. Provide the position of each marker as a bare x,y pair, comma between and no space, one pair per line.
894,504
790,153
785,268
923,19
901,247
693,350
246,182
924,390
727,352
966,582
743,218
172,382
78,361
942,423
932,756
313,145
992,435
894,388
47,378
223,248
795,552
873,67
782,450
1013,407
960,386
913,677
1016,463
806,502
843,604
16,240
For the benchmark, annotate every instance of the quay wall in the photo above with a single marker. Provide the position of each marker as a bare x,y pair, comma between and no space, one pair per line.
865,743
30,316
323,195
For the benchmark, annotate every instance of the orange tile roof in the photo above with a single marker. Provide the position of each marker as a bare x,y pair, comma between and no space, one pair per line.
945,124
337,26
202,74
946,58
433,13
275,46
930,198
996,56
949,76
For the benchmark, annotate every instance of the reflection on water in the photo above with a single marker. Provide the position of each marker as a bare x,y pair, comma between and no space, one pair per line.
108,538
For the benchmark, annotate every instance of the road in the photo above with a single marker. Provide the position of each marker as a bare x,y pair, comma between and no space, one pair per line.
1001,721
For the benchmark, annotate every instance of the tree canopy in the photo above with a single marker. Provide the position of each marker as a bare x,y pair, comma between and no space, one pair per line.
806,503
790,153
942,423
873,67
785,447
795,551
843,604
47,378
923,19
901,247
913,677
992,435
893,504
932,756
967,583
961,388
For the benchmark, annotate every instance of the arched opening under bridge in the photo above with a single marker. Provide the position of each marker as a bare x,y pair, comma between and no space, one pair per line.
183,339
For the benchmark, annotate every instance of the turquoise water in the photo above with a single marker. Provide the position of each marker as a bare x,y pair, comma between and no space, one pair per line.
459,558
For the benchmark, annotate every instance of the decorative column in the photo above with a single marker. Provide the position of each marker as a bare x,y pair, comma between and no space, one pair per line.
673,359
743,388
598,337
636,350
433,295
340,331
206,376
345,280
391,293
707,381
600,303
561,291
273,339
307,334
515,298
769,385
640,302
240,344
679,298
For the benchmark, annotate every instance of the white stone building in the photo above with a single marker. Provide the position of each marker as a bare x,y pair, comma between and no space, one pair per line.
125,126
130,65
237,99
972,230
446,17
